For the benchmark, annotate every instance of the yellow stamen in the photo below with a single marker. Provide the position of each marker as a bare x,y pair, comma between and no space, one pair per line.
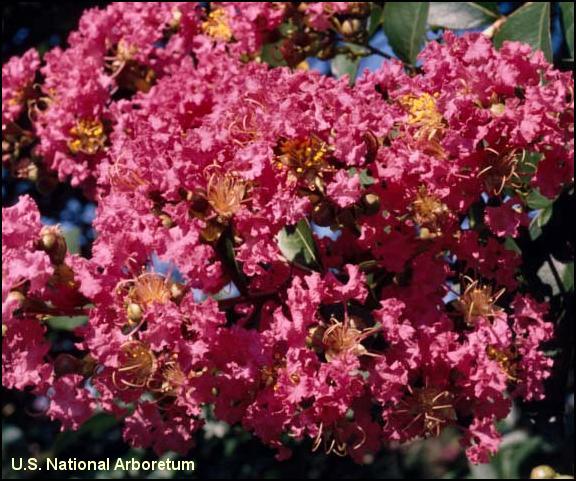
87,136
226,193
428,213
150,288
216,26
423,114
137,364
478,301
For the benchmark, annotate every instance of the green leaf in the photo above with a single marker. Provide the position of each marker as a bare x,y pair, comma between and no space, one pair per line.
66,323
364,175
535,200
342,65
540,220
568,277
375,19
459,15
297,243
405,26
529,24
271,55
545,215
568,23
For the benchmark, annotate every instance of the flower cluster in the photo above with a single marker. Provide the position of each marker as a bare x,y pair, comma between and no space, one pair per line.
311,260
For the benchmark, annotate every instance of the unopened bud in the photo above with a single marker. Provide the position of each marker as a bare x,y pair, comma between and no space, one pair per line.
498,109
371,203
350,27
543,472
134,312
323,214
17,297
166,220
177,291
54,244
32,173
66,364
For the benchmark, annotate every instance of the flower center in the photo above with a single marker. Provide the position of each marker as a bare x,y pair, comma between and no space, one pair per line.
216,26
137,364
87,136
339,437
478,301
428,213
427,410
341,338
423,114
150,288
303,155
500,170
225,193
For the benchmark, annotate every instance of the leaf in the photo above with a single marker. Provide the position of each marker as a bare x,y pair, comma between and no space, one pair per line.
545,215
529,24
66,323
567,9
375,19
342,65
272,56
535,200
568,277
405,26
540,220
459,15
297,243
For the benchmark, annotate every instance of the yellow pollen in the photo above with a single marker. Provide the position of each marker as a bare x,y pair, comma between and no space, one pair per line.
303,155
87,136
216,26
423,113
226,193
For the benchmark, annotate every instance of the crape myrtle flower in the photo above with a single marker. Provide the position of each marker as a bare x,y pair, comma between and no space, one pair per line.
407,318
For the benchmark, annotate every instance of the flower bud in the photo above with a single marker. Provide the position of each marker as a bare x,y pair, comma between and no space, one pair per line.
350,27
166,220
53,243
371,203
66,364
177,291
498,109
323,214
543,472
134,312
16,296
